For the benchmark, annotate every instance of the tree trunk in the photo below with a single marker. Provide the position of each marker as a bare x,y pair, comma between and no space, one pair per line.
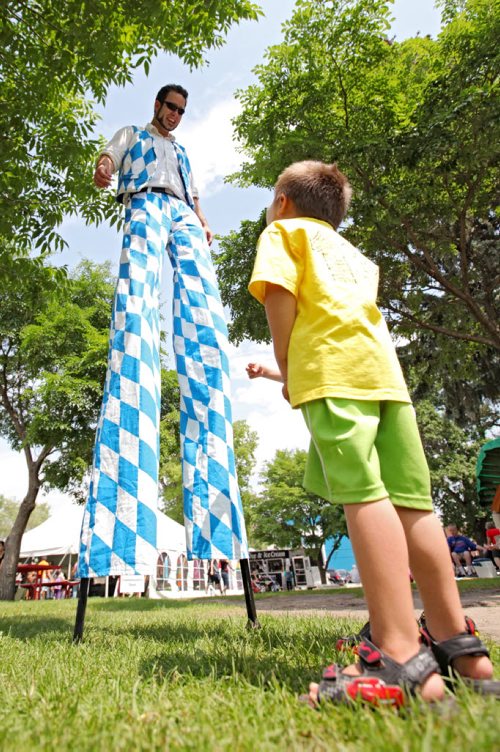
337,539
8,567
321,564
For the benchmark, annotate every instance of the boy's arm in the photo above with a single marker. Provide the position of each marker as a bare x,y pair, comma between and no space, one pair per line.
281,310
256,370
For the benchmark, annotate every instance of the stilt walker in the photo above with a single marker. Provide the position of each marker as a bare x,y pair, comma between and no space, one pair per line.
162,212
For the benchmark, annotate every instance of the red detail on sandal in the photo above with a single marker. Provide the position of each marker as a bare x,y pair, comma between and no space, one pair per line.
368,654
330,672
375,691
470,626
425,637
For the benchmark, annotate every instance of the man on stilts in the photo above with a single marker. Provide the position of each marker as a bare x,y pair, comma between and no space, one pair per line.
162,212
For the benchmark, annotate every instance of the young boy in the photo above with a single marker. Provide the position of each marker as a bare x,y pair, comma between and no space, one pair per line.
339,365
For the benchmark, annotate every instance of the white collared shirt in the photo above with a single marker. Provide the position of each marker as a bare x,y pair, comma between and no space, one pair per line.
167,169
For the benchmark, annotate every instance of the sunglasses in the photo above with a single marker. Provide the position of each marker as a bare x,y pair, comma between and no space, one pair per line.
174,108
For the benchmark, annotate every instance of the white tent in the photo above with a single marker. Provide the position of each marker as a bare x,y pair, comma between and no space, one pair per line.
170,535
57,536
174,576
60,534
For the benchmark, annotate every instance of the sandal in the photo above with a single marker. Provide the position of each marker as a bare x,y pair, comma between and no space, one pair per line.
383,681
351,642
465,643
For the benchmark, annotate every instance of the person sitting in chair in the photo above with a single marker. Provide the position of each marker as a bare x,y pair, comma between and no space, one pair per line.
461,549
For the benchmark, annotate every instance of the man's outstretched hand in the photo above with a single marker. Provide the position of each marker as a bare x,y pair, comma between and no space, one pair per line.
103,173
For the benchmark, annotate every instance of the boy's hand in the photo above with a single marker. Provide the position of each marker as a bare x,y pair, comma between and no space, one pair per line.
254,370
284,391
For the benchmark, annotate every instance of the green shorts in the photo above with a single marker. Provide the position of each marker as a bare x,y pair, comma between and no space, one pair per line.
363,451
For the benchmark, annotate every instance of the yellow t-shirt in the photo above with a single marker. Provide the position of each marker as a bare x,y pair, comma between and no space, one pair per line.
340,345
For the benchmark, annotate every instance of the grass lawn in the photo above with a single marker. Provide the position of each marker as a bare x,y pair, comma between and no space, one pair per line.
188,675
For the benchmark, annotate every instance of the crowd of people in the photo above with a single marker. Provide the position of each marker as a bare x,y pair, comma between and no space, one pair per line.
46,583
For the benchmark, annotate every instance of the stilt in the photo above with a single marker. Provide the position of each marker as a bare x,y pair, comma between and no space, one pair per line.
80,611
253,622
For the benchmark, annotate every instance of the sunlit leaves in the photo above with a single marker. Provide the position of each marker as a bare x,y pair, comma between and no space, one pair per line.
54,334
55,58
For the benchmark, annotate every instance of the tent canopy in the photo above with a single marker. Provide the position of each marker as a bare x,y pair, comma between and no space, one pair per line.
60,534
57,536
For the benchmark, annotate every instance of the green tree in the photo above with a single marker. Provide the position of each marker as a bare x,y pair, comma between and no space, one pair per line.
9,510
57,56
452,454
245,444
415,125
54,339
286,515
170,474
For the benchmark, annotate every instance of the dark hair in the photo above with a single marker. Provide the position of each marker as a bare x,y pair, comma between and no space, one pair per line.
171,87
318,190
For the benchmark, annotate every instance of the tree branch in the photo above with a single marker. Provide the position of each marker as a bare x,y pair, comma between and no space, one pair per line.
429,266
441,329
464,261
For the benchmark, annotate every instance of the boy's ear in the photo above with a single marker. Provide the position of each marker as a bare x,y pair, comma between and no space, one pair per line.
282,204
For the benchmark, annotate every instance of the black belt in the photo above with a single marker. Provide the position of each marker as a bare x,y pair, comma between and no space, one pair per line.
158,189
152,189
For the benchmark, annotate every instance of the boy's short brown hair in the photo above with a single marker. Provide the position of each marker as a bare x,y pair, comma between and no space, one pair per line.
318,190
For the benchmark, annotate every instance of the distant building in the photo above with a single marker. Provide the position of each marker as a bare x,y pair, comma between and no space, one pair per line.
343,558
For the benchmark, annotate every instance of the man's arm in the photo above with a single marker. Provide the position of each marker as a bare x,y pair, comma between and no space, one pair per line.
111,156
281,311
204,223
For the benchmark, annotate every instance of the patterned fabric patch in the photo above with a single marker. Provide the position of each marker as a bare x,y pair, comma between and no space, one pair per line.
119,525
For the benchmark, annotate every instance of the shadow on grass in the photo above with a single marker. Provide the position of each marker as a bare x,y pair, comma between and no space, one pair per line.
139,604
258,657
291,653
22,629
256,671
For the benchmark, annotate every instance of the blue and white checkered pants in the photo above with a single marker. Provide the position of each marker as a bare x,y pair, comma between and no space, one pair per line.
119,526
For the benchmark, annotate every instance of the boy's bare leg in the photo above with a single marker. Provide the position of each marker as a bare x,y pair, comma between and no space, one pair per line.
378,540
433,573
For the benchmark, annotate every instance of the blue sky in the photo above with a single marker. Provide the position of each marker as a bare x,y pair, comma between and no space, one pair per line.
207,134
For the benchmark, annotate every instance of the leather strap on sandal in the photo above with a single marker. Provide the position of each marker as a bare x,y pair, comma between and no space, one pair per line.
459,645
409,675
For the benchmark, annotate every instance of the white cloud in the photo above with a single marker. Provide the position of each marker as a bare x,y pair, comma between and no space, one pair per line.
261,404
209,142
14,480
13,473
